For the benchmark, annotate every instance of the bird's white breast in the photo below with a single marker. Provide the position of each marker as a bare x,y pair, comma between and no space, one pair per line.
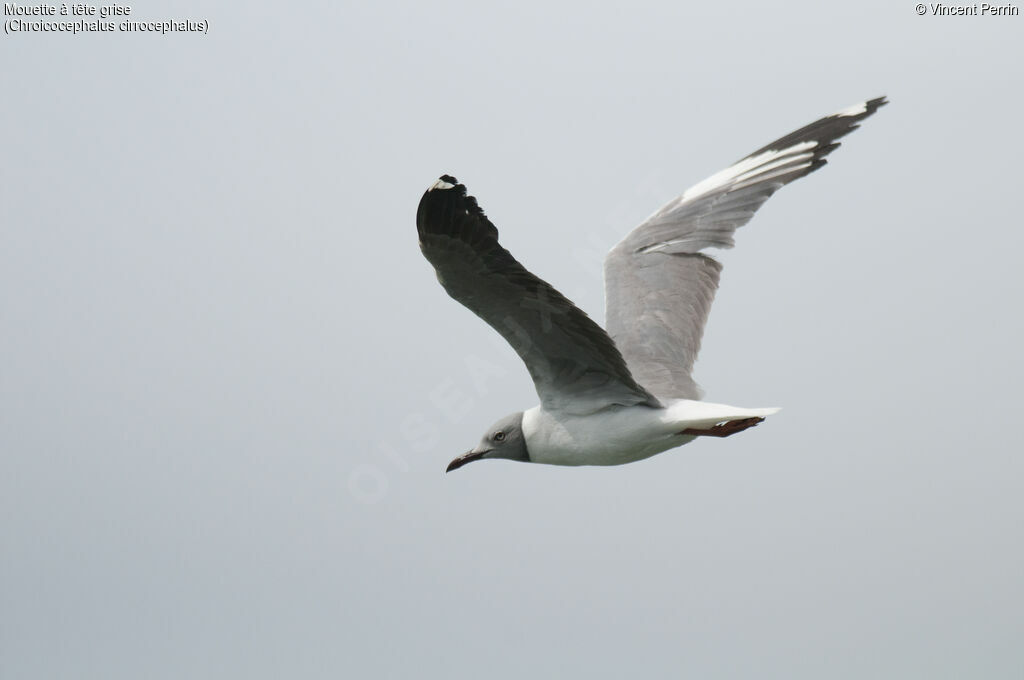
621,434
612,436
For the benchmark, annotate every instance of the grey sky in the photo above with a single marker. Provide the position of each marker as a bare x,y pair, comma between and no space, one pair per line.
230,383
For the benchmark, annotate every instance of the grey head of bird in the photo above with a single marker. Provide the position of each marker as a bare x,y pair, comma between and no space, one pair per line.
503,439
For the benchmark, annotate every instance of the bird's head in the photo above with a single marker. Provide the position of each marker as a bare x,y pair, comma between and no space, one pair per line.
504,439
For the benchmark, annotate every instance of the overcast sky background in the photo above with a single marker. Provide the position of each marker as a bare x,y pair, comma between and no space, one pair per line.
230,383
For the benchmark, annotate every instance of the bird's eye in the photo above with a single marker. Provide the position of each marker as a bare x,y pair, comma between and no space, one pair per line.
499,436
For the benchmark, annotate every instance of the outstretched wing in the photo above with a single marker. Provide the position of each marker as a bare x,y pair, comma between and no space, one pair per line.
658,283
575,366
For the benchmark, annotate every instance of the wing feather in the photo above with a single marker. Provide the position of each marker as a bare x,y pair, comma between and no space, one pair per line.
575,366
659,285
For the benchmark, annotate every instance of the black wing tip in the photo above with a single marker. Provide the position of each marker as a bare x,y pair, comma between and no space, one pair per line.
873,105
446,207
860,110
448,188
825,131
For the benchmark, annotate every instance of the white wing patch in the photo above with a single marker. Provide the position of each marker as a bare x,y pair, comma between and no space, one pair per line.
440,184
854,110
753,168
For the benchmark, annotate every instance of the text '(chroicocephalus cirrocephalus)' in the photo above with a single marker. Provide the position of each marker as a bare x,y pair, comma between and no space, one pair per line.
608,398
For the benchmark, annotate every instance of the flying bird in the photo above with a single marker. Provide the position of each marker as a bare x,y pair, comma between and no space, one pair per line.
625,393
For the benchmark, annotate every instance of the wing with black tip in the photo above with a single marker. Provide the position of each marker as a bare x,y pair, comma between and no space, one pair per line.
659,284
575,366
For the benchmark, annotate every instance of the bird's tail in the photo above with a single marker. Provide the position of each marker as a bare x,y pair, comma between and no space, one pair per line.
702,414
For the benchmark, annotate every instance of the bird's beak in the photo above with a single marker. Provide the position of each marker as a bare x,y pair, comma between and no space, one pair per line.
465,458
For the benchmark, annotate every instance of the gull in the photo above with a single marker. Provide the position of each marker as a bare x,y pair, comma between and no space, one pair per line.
625,393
